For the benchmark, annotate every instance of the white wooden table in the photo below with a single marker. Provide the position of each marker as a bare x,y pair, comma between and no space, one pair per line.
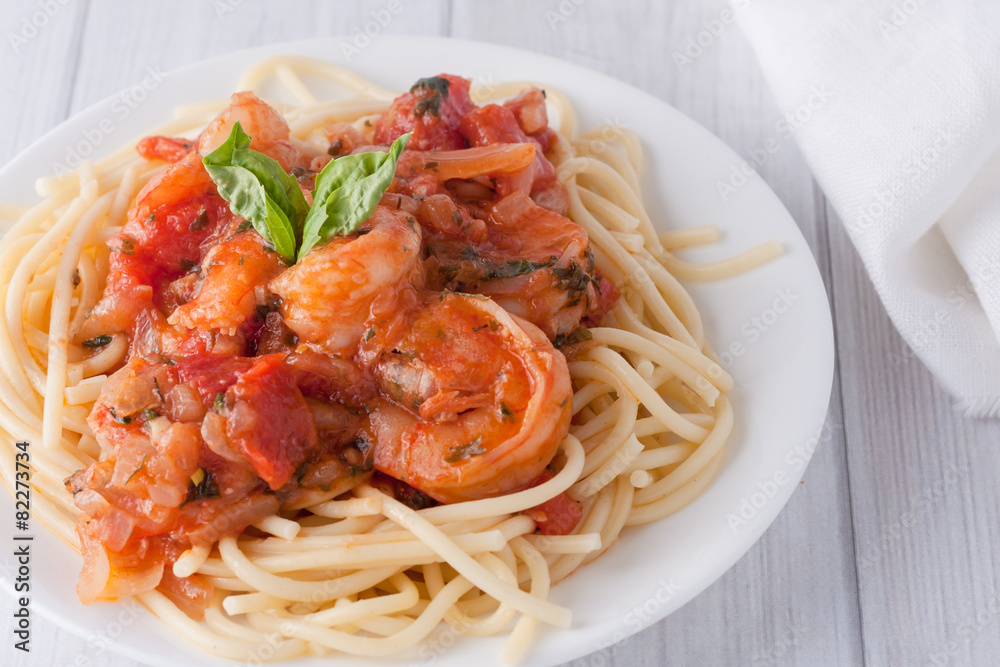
884,556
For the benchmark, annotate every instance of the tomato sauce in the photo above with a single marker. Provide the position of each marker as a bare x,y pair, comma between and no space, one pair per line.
254,385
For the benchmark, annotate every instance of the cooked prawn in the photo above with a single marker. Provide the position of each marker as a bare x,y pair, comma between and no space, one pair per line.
331,296
234,270
532,261
178,216
479,401
267,128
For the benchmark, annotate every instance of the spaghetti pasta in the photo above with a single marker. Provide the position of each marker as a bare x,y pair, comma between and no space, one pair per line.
359,572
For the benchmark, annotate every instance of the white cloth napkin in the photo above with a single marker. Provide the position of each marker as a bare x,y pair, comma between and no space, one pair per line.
903,138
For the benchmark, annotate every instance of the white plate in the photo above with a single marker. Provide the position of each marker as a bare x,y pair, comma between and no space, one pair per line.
774,323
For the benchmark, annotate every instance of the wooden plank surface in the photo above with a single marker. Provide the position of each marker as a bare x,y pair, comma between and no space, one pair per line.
883,556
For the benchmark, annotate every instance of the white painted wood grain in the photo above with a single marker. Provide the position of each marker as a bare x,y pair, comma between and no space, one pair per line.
900,476
923,490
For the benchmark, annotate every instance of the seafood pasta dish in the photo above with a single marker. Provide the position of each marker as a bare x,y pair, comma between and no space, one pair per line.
338,372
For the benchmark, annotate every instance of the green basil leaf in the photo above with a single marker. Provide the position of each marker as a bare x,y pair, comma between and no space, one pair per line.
281,187
258,189
347,192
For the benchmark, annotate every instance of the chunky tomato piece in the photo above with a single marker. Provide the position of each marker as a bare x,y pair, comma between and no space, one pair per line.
546,139
528,108
211,374
330,379
432,111
176,220
149,253
491,124
558,515
494,124
607,296
169,149
269,421
167,243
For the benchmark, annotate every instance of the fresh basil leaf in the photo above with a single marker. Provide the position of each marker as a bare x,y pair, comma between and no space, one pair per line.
347,192
258,189
281,187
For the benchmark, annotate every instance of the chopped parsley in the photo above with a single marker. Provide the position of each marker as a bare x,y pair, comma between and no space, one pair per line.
136,471
206,488
200,222
492,325
435,90
515,267
127,246
462,452
448,272
578,335
98,341
119,418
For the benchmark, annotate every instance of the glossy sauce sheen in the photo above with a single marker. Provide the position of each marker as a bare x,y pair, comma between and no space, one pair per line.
418,349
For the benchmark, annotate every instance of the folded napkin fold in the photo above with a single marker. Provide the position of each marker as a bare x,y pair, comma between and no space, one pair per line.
906,146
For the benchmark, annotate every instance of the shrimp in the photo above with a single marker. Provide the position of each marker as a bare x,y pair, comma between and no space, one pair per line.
175,213
178,217
342,291
475,401
267,128
533,262
233,269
